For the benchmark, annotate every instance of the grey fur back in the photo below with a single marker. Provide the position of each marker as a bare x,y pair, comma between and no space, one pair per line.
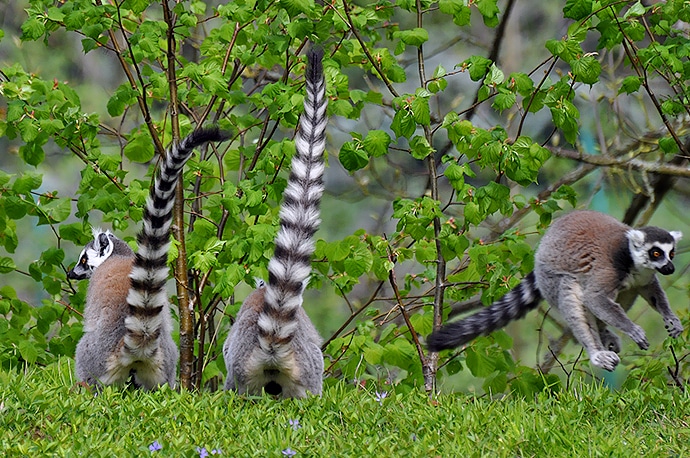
273,346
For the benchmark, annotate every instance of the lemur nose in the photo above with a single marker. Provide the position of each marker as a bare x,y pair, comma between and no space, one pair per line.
668,269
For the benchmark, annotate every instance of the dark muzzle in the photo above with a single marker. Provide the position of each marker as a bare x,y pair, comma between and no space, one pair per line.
667,269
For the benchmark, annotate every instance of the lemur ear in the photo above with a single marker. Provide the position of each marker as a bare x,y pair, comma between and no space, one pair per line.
677,235
636,237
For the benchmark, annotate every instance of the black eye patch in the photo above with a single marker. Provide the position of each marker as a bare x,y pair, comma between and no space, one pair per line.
655,254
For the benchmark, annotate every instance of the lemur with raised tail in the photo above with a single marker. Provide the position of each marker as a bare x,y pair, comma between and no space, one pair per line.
591,268
127,321
273,347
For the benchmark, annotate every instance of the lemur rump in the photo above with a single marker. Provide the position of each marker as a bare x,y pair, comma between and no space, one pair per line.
273,346
127,322
585,262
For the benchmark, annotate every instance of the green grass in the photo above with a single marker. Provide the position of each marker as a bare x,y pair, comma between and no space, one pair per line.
42,413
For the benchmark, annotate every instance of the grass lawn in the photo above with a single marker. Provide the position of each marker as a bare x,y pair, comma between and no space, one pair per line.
43,413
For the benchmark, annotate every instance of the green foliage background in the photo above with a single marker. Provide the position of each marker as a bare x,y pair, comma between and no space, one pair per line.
443,117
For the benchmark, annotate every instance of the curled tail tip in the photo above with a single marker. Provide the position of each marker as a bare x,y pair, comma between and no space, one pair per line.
208,134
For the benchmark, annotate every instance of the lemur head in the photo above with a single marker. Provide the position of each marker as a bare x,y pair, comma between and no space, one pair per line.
653,248
103,245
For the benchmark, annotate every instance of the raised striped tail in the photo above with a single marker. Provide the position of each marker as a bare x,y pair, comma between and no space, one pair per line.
147,297
290,267
513,306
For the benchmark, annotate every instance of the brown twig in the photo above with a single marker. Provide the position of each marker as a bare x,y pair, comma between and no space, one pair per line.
675,373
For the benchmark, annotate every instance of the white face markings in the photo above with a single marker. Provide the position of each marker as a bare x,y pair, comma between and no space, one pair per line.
652,254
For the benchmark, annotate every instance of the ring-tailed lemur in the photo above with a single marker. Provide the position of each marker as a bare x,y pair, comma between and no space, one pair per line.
127,322
273,346
585,262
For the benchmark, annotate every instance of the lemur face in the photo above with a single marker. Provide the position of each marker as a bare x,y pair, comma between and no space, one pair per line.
653,248
93,255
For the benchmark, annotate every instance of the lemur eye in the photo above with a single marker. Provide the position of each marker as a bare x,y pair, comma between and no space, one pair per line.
82,261
672,254
655,253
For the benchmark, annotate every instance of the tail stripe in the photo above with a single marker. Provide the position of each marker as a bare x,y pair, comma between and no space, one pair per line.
147,297
290,266
513,306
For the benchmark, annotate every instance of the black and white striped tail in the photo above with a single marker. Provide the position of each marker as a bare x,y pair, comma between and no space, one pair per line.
290,267
147,297
513,306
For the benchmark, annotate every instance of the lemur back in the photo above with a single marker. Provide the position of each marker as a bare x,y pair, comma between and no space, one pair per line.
273,347
127,324
591,268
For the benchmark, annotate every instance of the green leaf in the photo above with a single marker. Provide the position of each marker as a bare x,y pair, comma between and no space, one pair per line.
403,124
503,101
479,362
32,29
489,11
359,262
73,232
420,147
671,107
74,20
420,109
477,66
7,265
53,256
139,148
630,84
495,76
137,6
295,7
376,143
27,349
15,207
637,9
586,69
455,174
415,37
353,157
123,97
523,83
668,145
472,213
32,153
577,9
27,182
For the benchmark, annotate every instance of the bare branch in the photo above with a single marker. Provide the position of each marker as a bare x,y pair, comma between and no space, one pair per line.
632,163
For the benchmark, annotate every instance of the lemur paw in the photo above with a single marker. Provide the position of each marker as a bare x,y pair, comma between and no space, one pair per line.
605,359
638,336
673,326
610,340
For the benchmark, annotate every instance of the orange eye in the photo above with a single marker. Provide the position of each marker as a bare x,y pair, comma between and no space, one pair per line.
655,253
672,254
82,261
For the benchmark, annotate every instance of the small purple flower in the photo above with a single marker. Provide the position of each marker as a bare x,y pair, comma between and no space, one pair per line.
379,396
295,424
203,453
216,451
289,452
155,446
